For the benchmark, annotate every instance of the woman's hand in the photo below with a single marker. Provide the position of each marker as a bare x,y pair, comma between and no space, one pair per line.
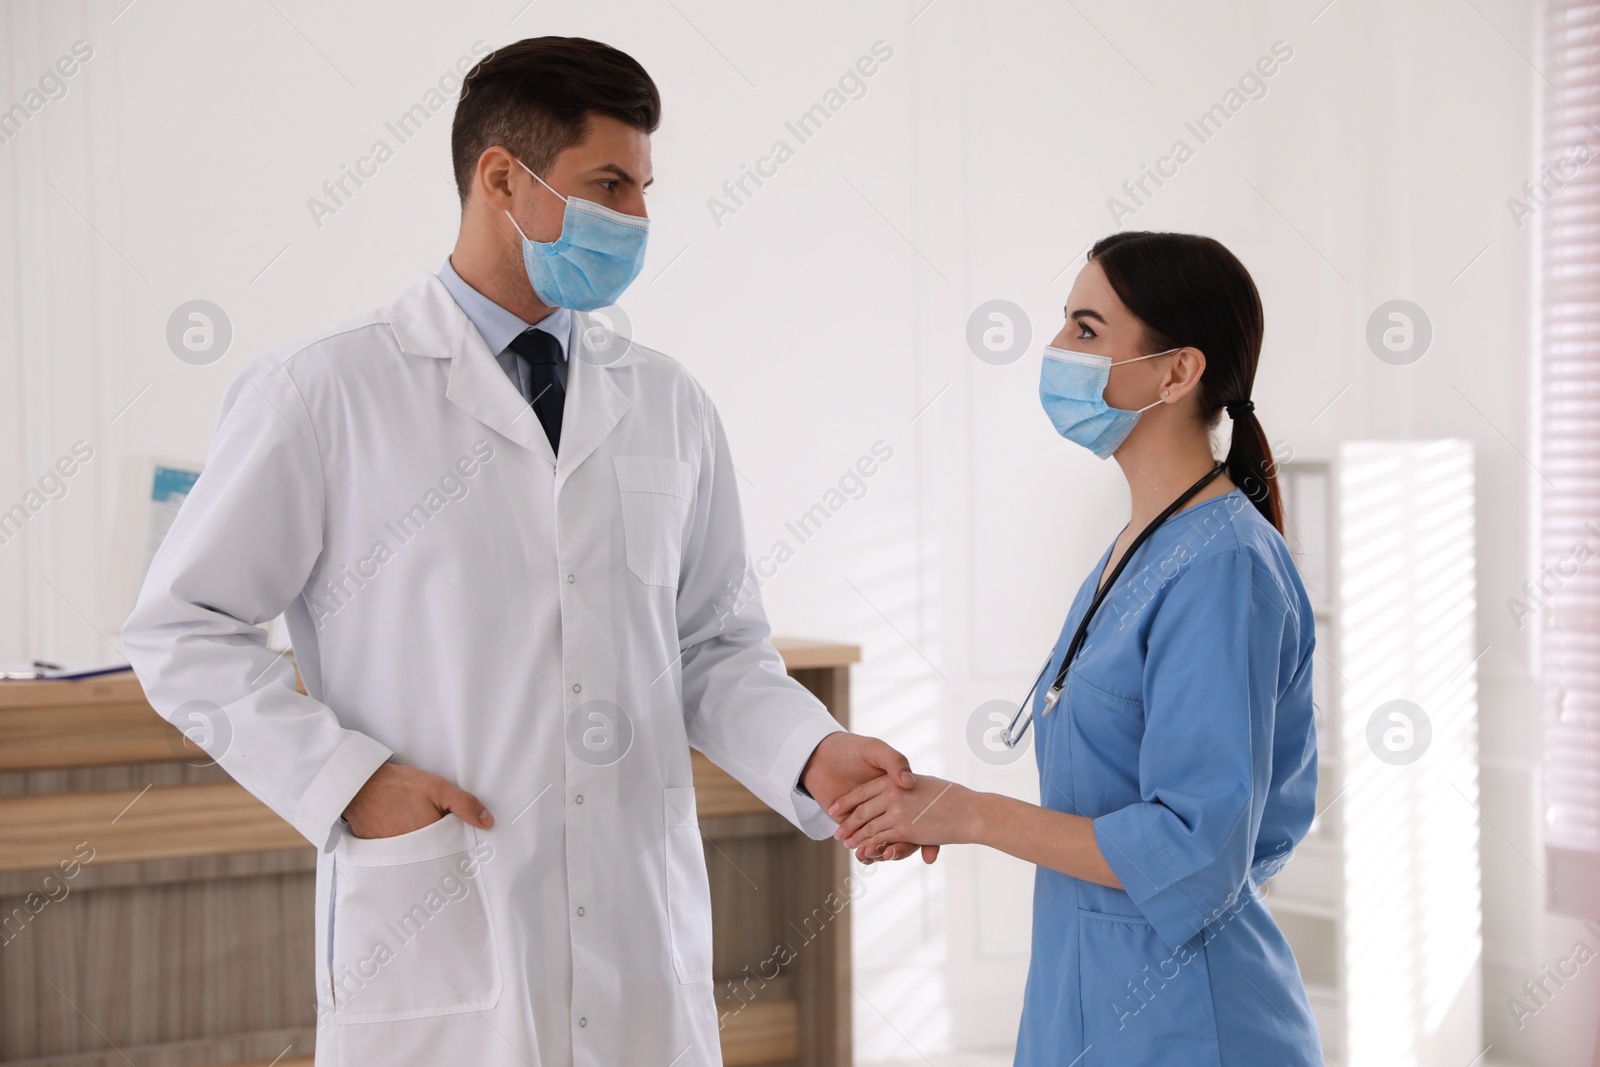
935,812
880,813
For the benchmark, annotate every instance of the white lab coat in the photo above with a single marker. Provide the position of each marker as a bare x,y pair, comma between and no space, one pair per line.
457,597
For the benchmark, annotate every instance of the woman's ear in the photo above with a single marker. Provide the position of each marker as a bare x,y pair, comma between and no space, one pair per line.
1183,374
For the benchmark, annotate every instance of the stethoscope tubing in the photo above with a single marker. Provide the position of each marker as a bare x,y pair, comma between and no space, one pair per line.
1024,716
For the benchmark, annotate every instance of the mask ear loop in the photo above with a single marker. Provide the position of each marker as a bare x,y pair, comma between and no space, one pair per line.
563,199
1135,359
557,195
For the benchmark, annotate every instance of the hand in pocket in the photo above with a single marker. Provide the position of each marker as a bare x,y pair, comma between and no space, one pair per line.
398,799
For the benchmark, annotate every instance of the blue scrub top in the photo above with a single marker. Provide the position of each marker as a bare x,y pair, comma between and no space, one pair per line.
1185,732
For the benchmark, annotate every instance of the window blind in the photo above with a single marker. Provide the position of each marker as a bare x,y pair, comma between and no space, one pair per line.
1565,595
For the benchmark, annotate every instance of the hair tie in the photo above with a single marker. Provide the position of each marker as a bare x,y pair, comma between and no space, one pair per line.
1241,407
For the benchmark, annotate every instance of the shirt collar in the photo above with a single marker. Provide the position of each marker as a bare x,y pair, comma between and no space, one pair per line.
497,326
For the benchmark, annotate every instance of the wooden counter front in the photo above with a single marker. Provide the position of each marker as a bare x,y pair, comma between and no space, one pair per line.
185,940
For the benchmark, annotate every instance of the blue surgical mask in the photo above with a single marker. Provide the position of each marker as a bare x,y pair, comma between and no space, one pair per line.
1072,388
598,255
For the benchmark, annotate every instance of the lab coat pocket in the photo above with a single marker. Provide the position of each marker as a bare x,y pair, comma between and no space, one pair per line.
688,891
1142,1002
410,933
656,492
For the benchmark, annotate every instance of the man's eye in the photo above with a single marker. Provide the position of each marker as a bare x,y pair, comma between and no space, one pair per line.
609,184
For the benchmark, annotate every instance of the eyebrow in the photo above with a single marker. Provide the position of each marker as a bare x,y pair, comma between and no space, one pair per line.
612,168
1086,313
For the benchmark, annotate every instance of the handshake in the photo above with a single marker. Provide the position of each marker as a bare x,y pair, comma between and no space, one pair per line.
884,811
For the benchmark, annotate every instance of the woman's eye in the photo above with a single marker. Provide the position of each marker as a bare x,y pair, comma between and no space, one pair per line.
1084,333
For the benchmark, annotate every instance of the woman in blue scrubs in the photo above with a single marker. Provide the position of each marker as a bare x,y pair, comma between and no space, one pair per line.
1178,767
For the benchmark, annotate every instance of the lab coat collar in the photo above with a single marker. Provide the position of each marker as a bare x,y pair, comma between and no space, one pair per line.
428,322
498,326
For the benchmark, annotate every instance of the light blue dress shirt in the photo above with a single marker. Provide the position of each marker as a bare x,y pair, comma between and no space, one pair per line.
499,327
1186,733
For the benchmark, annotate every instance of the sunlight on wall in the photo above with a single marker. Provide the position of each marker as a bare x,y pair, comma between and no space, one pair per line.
1413,938
900,922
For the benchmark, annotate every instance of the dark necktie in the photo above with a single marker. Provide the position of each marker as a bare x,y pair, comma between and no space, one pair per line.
542,352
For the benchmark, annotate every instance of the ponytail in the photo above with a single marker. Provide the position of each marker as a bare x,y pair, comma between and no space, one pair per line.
1250,465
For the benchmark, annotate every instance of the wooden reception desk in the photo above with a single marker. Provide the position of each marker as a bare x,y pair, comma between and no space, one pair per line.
153,913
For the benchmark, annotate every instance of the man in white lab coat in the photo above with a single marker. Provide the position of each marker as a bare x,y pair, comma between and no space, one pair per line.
509,548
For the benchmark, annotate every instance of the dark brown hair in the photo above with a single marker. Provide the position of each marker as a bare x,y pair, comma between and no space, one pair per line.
1190,291
534,98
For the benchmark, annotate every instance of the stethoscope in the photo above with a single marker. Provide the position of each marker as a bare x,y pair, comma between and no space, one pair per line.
1019,723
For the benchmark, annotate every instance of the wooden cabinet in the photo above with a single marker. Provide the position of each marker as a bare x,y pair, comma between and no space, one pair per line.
153,913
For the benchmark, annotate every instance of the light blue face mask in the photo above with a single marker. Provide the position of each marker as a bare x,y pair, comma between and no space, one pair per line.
598,255
1072,388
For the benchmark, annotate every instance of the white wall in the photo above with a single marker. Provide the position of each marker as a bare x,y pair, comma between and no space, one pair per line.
827,313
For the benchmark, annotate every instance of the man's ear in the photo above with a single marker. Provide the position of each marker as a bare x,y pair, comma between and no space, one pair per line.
492,178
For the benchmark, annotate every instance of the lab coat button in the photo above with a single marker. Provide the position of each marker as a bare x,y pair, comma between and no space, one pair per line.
580,913
576,688
583,1022
571,578
580,798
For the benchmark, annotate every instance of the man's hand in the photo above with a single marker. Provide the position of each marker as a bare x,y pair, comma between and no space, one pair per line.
843,761
398,799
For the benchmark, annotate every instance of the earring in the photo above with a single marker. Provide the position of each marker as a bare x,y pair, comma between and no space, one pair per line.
1166,392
